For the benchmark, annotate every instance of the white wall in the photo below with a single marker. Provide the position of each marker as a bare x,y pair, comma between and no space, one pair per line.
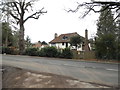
78,49
60,46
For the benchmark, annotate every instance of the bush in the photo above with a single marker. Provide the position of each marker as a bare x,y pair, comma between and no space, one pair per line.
41,53
48,52
31,51
7,50
67,53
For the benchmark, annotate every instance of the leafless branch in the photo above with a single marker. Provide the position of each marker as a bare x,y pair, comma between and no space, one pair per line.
14,16
35,15
15,4
117,17
91,7
27,4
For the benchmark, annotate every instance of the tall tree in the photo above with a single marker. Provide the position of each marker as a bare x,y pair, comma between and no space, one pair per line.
118,39
7,36
17,10
106,35
15,39
106,22
105,46
118,29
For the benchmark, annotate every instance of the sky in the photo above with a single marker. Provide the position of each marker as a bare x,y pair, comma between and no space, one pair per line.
57,20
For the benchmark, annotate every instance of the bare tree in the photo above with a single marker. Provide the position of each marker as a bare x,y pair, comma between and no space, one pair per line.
17,10
93,5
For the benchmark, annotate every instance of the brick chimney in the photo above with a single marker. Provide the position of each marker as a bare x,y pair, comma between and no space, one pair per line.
56,35
86,48
86,34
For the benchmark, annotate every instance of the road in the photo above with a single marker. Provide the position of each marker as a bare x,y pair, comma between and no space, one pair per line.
102,73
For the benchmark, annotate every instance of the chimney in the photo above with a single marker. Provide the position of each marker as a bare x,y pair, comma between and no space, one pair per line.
86,34
86,48
56,35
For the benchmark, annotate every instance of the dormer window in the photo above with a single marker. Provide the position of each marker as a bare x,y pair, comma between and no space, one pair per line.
64,38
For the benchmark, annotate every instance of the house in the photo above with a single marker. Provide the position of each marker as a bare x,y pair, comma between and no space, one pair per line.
39,45
63,41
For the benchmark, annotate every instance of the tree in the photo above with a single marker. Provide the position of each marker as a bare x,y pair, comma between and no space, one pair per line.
105,44
17,10
118,40
7,36
93,6
75,41
16,39
118,29
106,22
28,42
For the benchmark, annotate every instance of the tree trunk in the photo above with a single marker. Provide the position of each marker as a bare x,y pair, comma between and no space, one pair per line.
21,39
6,39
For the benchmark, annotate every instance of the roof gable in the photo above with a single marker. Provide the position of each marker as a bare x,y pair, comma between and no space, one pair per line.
64,38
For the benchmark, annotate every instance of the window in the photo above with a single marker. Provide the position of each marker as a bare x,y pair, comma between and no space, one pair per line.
63,43
64,38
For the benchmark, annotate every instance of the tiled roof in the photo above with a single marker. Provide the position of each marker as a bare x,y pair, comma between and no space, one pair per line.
64,38
37,45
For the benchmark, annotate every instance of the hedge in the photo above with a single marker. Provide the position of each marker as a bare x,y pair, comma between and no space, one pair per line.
31,51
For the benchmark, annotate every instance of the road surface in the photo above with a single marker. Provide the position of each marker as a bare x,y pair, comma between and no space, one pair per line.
102,73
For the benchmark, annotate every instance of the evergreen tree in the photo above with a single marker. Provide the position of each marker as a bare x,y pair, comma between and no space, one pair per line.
7,36
105,47
106,23
106,35
28,42
118,39
16,39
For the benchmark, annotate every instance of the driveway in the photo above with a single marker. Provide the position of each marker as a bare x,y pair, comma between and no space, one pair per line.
102,73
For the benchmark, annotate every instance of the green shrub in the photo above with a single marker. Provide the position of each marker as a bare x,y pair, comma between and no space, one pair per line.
31,51
67,53
7,50
48,52
59,55
42,53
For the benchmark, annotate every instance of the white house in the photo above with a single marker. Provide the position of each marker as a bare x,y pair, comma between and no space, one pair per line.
62,41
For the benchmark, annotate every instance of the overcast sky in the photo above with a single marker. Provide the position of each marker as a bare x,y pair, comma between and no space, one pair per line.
57,20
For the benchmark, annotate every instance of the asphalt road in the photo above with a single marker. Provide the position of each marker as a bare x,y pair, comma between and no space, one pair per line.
102,73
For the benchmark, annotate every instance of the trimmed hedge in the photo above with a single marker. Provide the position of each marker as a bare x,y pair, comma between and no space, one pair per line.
48,52
44,52
31,51
67,53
